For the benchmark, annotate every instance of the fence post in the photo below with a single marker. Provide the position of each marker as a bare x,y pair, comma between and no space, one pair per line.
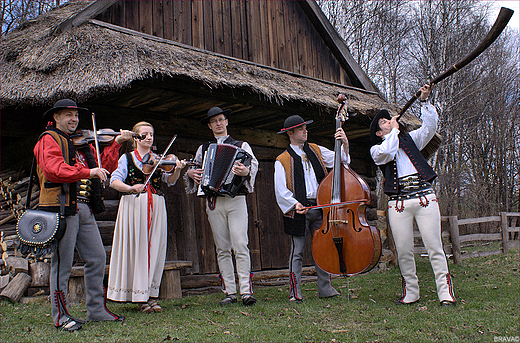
455,241
505,234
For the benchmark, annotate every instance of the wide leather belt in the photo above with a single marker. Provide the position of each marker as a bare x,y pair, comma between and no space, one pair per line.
412,184
411,195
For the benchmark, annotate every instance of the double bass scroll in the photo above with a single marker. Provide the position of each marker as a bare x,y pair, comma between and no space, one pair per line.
344,244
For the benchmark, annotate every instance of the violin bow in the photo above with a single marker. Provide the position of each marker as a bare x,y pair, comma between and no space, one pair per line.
503,18
338,204
158,163
96,142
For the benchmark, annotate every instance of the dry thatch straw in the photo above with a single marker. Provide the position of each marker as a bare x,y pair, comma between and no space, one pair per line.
40,65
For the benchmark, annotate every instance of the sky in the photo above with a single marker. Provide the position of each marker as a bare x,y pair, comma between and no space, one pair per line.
515,6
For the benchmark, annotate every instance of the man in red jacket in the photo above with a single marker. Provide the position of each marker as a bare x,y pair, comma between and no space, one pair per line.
70,184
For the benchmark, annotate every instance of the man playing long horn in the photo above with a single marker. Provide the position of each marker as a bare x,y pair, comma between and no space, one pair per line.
407,182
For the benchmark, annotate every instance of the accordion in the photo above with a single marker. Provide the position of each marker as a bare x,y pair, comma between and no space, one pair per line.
217,178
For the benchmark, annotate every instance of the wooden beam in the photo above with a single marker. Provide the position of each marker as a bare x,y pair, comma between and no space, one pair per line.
89,12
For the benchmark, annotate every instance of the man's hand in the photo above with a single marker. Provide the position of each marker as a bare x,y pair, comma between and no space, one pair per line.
195,175
124,136
425,91
100,173
240,169
300,209
393,123
341,135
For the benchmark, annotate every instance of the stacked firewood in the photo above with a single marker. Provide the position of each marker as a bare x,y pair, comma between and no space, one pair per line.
18,275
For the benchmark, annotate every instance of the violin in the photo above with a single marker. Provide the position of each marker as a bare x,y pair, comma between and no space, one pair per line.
344,244
105,136
167,164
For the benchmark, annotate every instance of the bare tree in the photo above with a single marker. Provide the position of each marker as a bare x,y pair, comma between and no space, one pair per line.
17,12
403,44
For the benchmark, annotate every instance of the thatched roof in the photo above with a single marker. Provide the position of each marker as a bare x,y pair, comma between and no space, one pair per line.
41,65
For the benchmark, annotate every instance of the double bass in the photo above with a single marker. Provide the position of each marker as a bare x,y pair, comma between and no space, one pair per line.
344,244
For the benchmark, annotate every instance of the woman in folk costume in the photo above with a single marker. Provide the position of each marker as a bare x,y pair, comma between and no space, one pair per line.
139,245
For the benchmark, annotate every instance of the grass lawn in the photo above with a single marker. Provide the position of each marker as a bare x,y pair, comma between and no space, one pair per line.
487,290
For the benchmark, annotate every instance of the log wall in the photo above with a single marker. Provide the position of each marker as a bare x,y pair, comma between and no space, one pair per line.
272,33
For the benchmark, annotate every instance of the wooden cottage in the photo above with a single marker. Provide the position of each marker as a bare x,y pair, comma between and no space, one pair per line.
168,62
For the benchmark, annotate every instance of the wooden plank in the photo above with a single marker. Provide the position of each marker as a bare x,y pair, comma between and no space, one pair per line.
118,17
218,29
281,42
291,36
236,29
243,27
455,239
177,20
185,22
207,7
481,253
197,24
253,32
253,232
158,18
89,12
168,19
227,30
513,244
132,15
273,43
479,220
145,17
481,237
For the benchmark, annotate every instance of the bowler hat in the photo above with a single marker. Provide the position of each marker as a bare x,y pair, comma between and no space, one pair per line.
374,126
214,111
293,122
60,105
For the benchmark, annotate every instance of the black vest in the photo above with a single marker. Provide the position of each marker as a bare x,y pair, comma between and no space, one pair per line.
96,199
296,226
136,175
391,185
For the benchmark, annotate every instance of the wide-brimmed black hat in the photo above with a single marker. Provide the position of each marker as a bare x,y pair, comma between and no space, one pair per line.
374,126
293,122
214,111
62,104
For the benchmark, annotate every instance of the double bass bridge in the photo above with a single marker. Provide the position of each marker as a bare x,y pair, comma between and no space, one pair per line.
338,221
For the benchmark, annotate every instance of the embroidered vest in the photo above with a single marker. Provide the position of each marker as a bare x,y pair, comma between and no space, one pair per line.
294,224
96,198
50,192
136,175
391,184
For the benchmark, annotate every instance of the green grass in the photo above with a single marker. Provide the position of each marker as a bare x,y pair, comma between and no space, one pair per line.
487,289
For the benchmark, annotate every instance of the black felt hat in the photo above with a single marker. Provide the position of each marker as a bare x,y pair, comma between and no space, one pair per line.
214,111
374,126
60,105
293,122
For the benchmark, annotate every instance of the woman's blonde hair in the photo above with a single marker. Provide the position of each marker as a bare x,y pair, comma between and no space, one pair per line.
137,127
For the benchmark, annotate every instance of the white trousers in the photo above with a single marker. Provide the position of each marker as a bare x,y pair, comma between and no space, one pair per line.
229,223
425,210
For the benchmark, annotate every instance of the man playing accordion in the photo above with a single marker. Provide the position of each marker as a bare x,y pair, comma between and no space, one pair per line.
227,215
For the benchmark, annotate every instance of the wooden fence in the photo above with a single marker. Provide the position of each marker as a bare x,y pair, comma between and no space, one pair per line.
509,223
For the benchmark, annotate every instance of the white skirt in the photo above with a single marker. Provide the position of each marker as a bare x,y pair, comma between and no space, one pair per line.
138,254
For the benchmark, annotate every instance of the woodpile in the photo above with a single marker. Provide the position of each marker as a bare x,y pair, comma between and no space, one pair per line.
18,276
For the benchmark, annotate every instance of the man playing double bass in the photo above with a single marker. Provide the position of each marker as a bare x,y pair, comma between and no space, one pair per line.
407,182
298,172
